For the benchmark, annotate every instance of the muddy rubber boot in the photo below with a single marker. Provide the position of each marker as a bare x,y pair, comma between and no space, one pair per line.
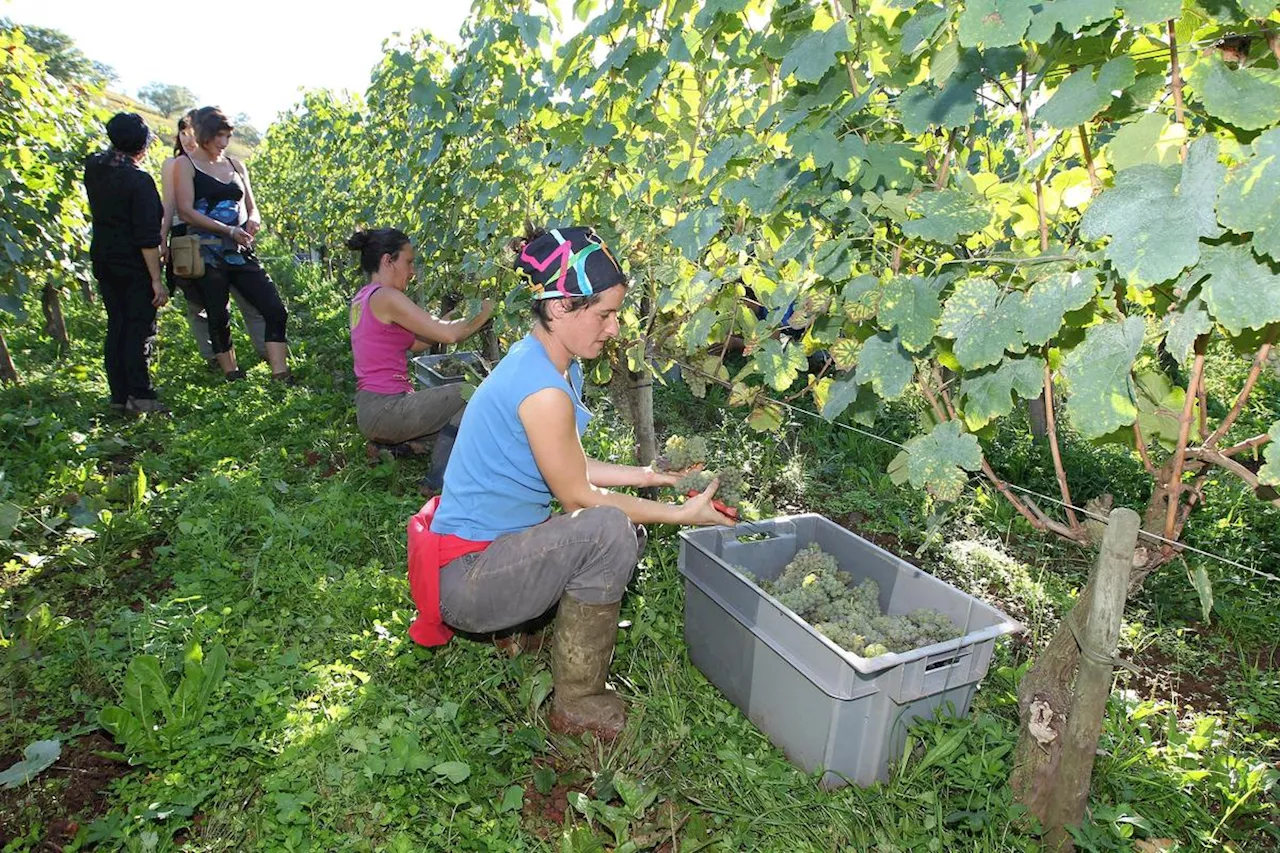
582,648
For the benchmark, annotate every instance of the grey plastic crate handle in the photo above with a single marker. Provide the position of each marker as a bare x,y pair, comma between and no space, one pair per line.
770,529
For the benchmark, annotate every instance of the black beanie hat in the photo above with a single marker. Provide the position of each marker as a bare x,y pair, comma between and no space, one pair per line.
568,262
128,133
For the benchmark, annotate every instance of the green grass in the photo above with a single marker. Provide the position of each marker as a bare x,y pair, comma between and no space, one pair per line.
252,520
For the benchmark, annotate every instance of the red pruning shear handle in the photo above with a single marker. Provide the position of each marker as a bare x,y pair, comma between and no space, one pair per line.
722,508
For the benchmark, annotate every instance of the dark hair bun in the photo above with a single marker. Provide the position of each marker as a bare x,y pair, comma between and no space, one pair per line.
357,241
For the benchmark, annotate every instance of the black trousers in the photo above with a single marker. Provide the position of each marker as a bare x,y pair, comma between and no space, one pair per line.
254,285
131,331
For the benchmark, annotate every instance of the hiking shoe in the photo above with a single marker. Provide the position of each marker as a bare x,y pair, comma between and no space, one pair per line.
234,375
286,378
146,406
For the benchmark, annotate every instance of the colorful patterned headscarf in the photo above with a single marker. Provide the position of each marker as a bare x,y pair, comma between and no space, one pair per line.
568,262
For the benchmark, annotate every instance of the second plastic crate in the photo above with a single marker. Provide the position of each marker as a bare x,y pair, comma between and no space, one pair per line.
449,367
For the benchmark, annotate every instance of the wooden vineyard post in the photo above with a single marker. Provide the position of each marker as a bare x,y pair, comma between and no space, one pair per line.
1061,722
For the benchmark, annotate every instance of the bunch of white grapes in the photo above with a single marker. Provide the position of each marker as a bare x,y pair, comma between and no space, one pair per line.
813,587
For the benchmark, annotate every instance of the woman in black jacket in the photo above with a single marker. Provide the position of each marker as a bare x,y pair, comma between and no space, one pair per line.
125,252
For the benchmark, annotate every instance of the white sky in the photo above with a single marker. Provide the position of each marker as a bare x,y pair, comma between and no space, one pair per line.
248,58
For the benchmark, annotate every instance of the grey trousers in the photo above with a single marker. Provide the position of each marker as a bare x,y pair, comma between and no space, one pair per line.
199,321
394,418
589,555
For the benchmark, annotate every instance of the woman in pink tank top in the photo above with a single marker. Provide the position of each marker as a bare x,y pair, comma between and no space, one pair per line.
386,325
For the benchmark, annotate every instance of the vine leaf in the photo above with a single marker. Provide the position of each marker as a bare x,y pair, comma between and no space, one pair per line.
1071,15
836,396
1150,139
692,233
1159,407
954,105
861,298
1269,473
1143,12
779,365
937,462
1080,96
989,395
1184,327
886,365
1250,198
1249,98
813,55
910,303
1241,292
1047,302
1098,372
947,214
1154,220
920,29
982,325
766,416
994,23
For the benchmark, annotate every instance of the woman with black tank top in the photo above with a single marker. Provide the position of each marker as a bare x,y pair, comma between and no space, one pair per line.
173,226
216,201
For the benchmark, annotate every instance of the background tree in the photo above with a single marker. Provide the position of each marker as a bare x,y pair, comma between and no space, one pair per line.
166,97
62,59
246,132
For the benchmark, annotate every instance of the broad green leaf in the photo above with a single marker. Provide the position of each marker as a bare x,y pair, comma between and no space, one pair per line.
1071,15
512,799
1159,408
954,105
1250,198
937,462
989,395
886,365
145,694
1098,373
454,771
1258,8
9,516
37,757
813,55
1080,97
1199,578
693,232
910,305
921,27
1155,220
1269,473
780,364
1184,327
834,259
994,23
1047,302
1150,139
766,416
845,352
1142,12
1249,98
861,298
839,394
947,214
982,325
1241,293
842,153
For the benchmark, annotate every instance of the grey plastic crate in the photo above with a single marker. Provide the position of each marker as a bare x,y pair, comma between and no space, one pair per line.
427,367
822,706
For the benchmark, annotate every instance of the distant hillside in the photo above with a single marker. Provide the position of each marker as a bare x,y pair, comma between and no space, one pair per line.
166,127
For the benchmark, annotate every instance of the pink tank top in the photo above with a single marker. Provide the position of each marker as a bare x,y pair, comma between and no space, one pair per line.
379,349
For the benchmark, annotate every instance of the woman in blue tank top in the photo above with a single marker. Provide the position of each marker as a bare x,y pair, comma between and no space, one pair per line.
519,446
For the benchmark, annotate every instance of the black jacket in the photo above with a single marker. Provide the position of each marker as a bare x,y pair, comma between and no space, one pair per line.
126,212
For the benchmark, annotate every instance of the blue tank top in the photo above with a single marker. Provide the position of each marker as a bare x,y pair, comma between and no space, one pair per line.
492,485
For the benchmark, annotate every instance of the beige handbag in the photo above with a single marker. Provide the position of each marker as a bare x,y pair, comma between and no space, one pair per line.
185,252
